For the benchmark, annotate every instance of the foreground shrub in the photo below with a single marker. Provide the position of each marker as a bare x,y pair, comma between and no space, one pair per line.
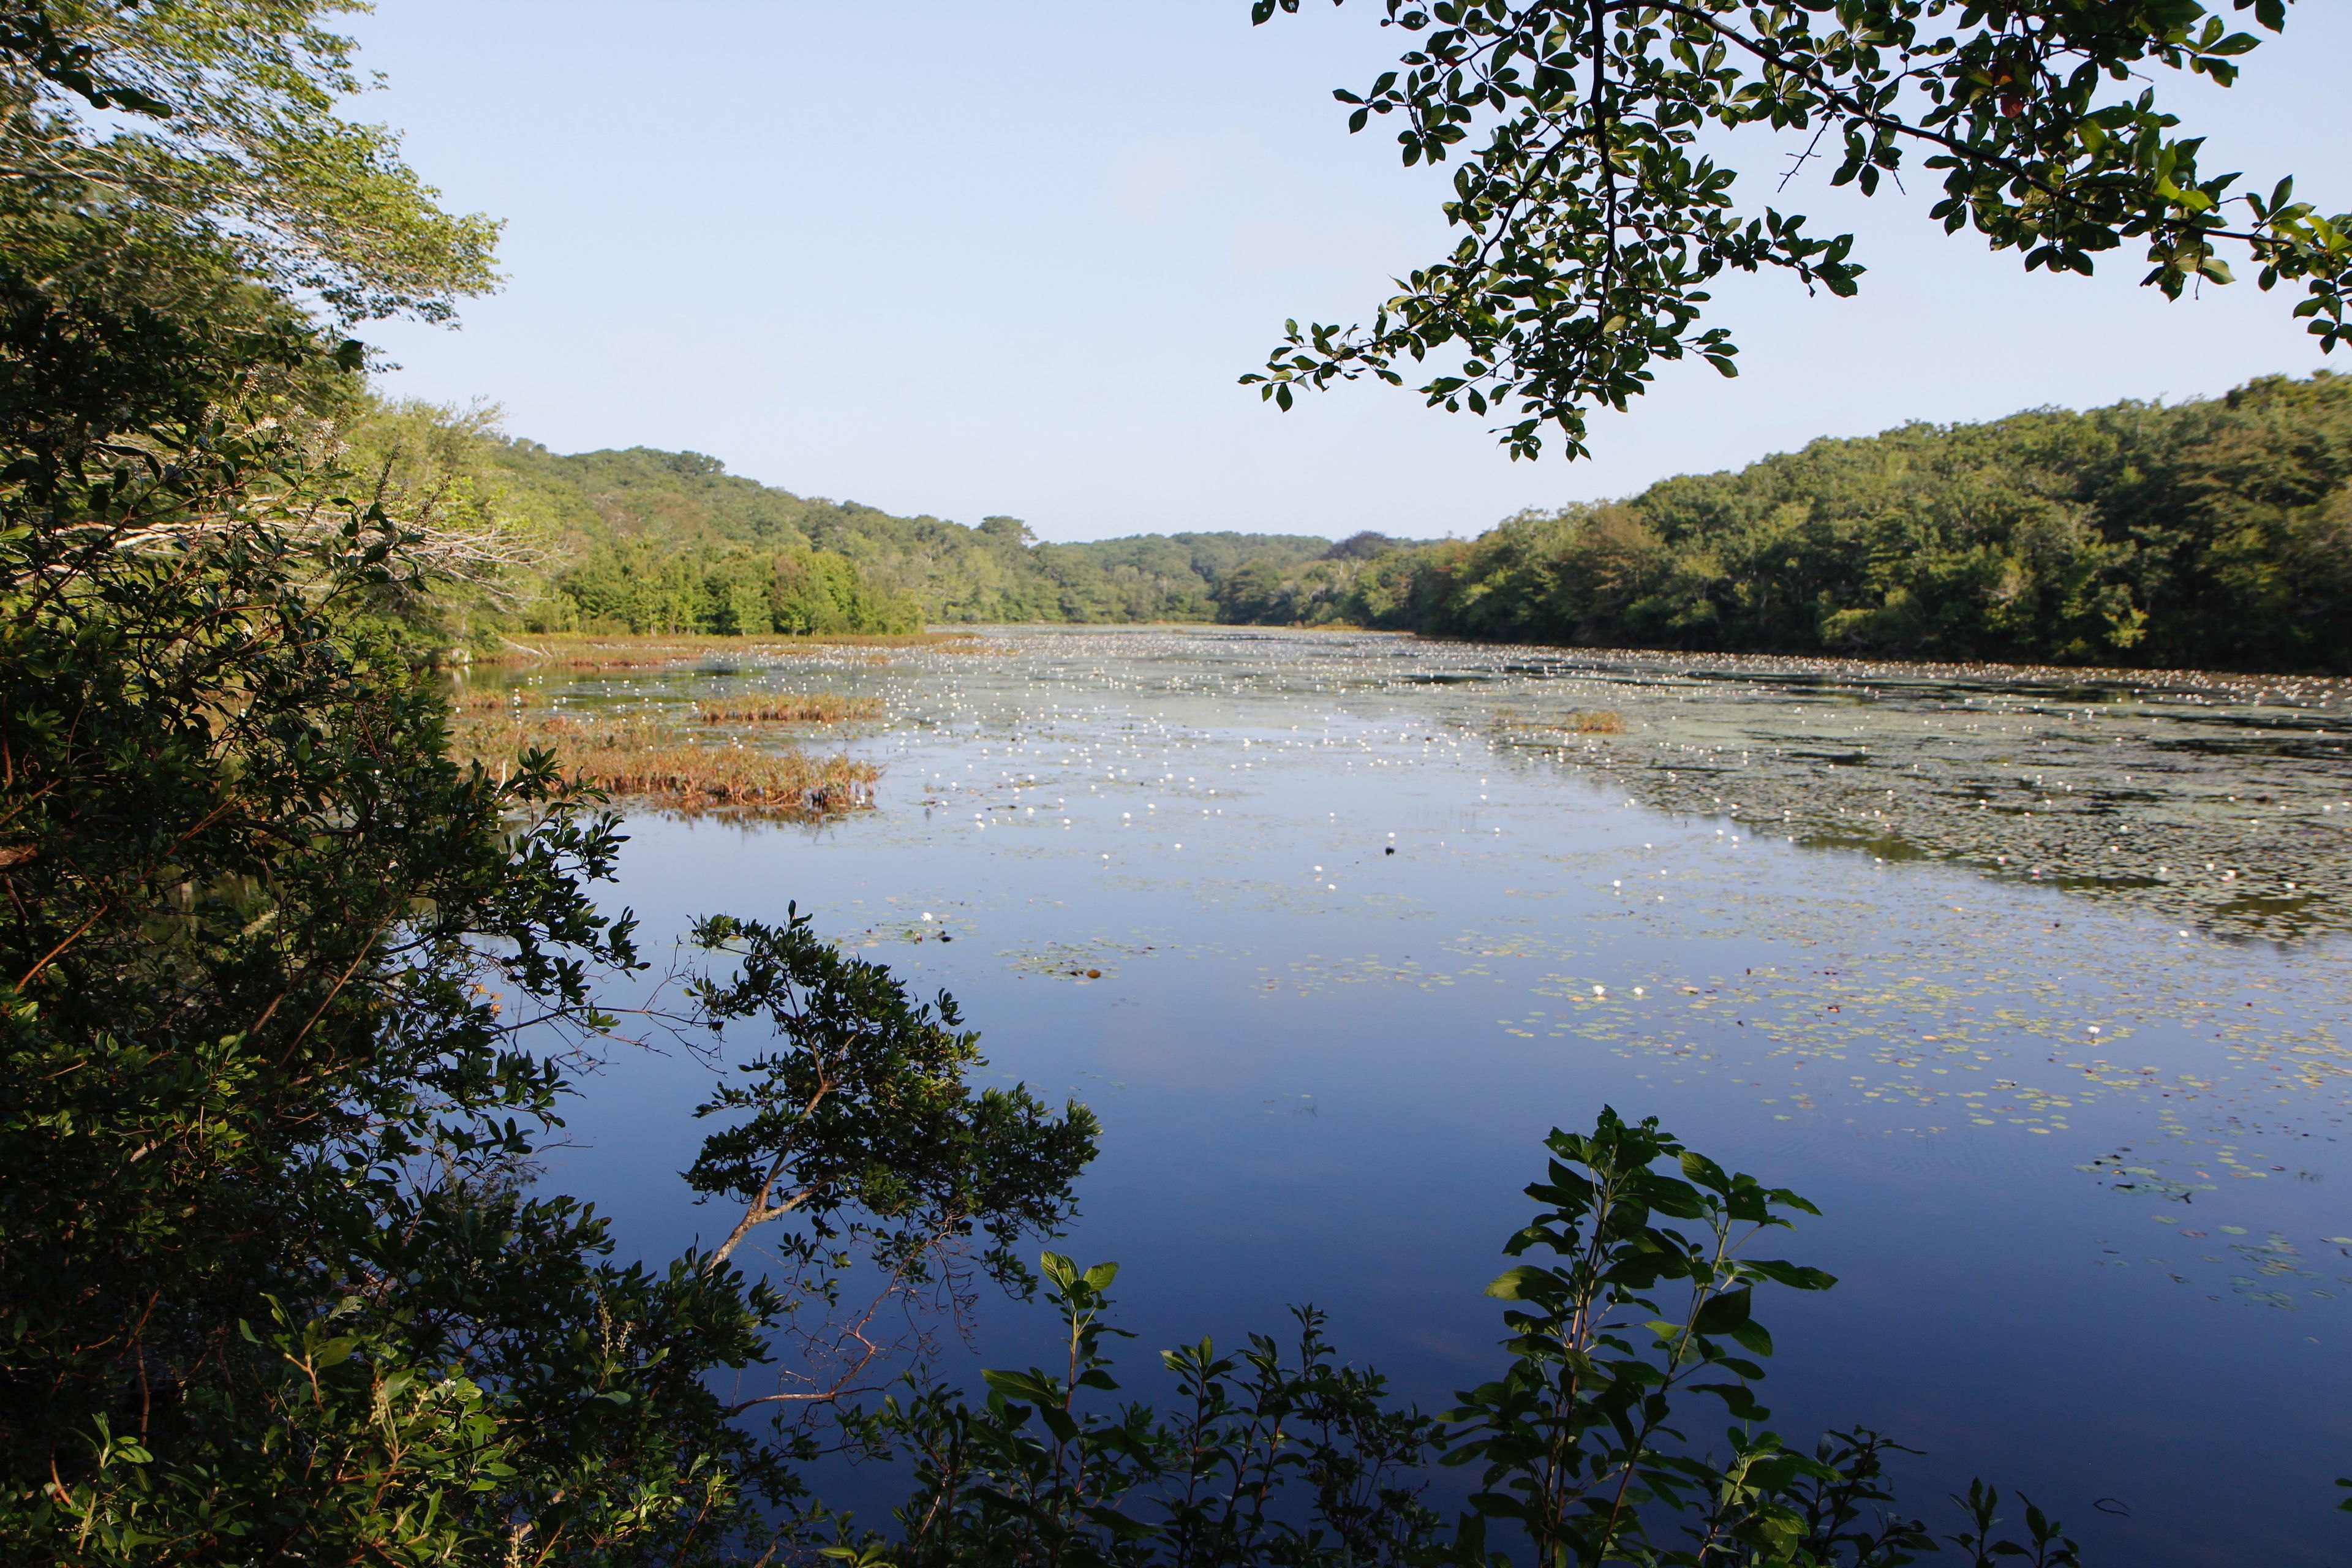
1640,1316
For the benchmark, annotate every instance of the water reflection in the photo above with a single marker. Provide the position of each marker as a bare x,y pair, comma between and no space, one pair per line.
1330,929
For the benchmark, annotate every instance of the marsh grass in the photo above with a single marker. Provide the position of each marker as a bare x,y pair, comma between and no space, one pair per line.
592,651
813,708
1595,721
647,761
1576,722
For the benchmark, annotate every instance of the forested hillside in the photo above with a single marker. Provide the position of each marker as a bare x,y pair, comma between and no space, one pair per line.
647,540
2213,533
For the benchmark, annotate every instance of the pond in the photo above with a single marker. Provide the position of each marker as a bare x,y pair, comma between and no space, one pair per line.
2032,981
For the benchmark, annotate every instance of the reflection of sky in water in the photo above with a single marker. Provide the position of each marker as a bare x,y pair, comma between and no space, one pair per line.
2079,1161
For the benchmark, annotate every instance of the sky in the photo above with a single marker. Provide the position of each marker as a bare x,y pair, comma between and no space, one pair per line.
946,258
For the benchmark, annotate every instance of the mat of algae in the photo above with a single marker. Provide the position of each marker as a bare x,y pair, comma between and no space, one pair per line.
2220,801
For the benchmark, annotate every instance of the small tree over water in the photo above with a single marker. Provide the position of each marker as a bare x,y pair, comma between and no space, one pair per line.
1587,1450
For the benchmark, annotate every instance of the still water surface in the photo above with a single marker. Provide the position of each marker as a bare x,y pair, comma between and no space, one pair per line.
2034,986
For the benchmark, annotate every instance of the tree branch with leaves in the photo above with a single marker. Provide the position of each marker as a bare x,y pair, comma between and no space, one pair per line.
1593,225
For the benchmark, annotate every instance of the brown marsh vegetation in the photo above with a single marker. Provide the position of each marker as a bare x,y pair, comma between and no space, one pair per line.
1576,722
650,760
666,755
587,651
812,708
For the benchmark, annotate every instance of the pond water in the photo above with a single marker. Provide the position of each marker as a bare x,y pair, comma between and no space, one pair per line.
2032,982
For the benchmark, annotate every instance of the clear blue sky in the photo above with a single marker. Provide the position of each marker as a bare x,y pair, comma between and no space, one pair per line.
967,258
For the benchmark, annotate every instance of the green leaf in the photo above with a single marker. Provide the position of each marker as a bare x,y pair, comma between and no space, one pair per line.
1793,1276
1029,1387
1513,1284
1724,1313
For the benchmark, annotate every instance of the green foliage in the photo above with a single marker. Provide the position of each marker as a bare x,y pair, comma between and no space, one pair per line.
1573,1446
2046,1544
2210,534
276,1279
1593,227
633,585
1283,1456
113,322
488,557
857,1121
2207,534
1038,1476
287,1001
668,540
223,130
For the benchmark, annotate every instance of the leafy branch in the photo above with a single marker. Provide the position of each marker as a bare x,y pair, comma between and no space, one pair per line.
1591,227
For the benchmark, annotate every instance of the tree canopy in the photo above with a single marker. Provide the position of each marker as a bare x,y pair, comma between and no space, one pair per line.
289,998
2208,533
219,124
2213,534
1594,212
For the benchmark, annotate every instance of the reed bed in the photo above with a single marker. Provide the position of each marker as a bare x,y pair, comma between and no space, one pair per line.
1576,722
1595,721
592,651
814,708
643,760
758,708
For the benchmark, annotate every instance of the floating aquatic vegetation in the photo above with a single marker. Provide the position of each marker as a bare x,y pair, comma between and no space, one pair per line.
1073,959
2216,801
1923,1016
2279,1277
1315,972
2221,802
1899,1032
2111,1171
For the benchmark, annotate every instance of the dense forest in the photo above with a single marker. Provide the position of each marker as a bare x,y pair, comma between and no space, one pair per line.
642,541
2213,533
670,540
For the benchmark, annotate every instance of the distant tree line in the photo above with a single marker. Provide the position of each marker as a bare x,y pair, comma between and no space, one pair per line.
629,585
647,540
2212,533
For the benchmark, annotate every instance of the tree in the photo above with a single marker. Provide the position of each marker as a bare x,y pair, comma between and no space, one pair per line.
1593,225
2210,535
288,1000
216,122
